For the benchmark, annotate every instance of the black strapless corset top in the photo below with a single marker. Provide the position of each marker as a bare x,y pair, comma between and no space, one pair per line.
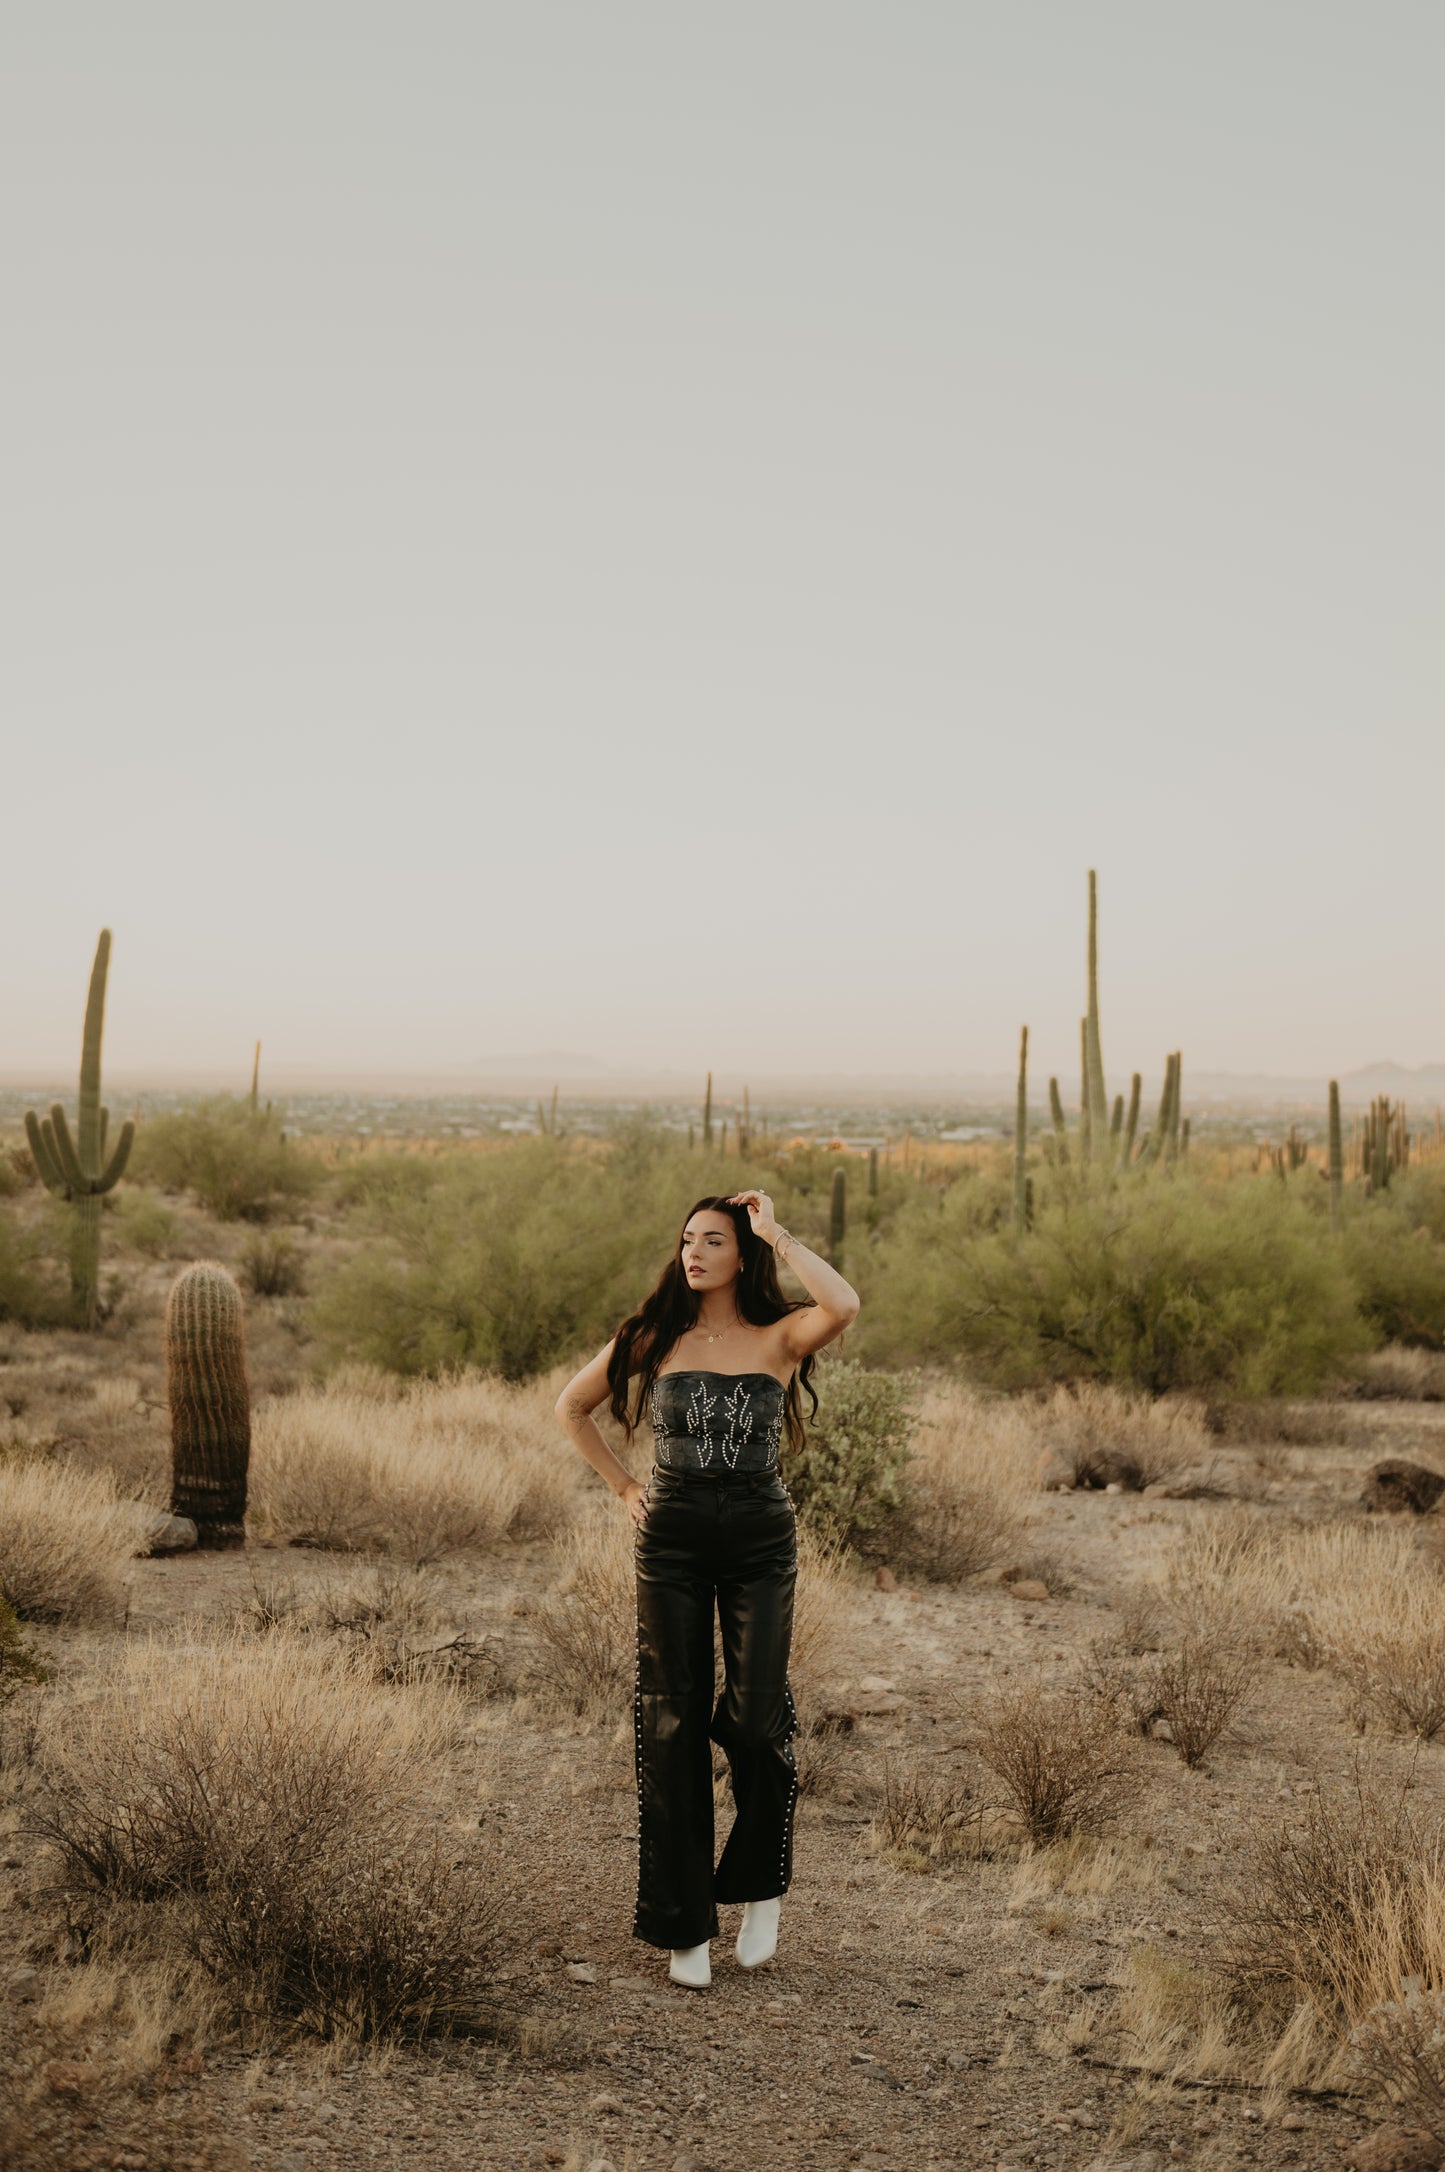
717,1421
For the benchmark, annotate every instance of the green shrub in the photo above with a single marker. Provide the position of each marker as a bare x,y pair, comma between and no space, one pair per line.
238,1162
144,1221
1163,1284
511,1260
32,1288
851,1474
1398,1270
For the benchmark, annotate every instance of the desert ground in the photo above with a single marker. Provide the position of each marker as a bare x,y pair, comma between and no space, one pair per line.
948,1991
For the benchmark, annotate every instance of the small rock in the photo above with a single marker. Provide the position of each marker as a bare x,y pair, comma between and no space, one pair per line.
1156,1490
1395,2149
22,1985
1113,1486
1163,1732
601,2164
554,2156
602,2102
581,1972
1395,1485
871,1682
160,1533
1293,2122
884,1578
688,2163
1029,1588
630,1983
67,2077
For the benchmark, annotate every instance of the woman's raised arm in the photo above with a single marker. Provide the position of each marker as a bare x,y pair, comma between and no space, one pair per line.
835,1302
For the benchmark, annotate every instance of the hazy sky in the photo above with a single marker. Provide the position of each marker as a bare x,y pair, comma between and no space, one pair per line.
681,532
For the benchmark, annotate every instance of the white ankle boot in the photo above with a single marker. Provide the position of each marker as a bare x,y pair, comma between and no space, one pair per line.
690,1965
758,1934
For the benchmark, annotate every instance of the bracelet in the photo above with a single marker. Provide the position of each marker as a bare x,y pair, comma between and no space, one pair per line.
784,1236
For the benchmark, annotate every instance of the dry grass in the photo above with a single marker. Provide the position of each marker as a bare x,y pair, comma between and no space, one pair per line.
404,1625
927,1815
65,1541
1416,1376
1197,1691
1106,1436
1337,1936
1328,1903
1176,2021
1085,1868
261,1810
436,1468
1364,1599
1302,1591
970,1477
586,1629
1062,1758
1394,1663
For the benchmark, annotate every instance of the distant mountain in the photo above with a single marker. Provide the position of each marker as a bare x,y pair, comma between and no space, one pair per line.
547,1062
1426,1084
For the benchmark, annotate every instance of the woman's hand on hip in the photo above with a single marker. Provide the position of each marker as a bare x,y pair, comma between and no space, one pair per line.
634,1493
760,1213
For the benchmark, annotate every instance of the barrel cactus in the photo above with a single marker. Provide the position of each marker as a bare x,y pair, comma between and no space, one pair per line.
210,1402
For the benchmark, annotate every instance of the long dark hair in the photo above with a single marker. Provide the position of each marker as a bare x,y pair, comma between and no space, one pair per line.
644,1339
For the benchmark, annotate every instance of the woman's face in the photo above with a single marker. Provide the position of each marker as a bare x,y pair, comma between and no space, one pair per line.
710,1255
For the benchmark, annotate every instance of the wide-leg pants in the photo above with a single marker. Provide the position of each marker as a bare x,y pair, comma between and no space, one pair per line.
724,1540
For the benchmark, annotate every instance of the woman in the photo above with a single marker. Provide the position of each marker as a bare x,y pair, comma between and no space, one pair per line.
722,1355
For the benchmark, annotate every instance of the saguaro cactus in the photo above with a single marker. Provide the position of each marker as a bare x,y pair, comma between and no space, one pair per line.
707,1116
872,1172
1021,1137
1131,1121
1176,1107
1158,1138
837,1217
1337,1155
1100,1139
1061,1129
76,1169
1086,1113
210,1402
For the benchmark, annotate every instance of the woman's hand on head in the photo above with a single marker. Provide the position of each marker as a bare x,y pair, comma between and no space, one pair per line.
760,1213
634,1493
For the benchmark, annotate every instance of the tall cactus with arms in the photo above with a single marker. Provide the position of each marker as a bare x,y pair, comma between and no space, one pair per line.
75,1168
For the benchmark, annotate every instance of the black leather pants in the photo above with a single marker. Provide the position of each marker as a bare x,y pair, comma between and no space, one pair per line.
727,1539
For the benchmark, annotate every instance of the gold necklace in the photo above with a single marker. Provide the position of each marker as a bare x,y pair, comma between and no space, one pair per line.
724,1331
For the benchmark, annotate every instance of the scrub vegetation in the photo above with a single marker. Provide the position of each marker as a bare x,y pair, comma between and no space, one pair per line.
1118,1666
